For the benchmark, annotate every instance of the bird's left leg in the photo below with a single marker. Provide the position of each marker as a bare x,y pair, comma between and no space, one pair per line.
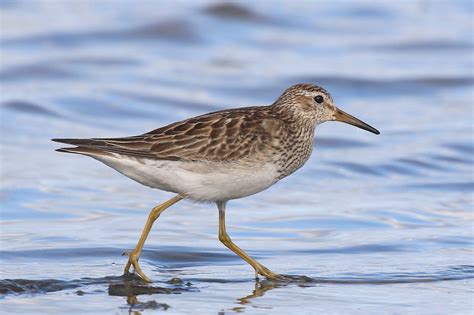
226,240
135,254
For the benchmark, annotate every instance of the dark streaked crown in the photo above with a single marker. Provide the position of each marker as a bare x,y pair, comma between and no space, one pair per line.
303,89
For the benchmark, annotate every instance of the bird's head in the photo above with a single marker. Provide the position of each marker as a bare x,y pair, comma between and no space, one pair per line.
314,105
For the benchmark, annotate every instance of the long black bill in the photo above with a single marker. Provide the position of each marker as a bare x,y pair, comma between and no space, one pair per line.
351,120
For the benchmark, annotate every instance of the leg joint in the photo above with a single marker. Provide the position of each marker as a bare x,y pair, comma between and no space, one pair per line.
224,238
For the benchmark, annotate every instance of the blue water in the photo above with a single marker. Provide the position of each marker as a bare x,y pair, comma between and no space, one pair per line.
381,224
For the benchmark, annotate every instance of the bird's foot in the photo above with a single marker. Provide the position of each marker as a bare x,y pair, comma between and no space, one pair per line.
133,261
269,275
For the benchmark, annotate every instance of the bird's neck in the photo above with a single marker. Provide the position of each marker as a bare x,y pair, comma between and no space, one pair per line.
299,141
293,116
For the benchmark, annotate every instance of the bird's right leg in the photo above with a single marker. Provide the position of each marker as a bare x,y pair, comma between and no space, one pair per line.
134,255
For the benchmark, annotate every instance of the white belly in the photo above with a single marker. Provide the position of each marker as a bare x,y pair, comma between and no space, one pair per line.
200,181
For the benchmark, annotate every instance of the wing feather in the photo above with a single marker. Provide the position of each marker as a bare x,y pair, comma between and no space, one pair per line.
220,136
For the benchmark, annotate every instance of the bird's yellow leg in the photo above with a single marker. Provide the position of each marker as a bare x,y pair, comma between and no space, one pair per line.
226,240
134,255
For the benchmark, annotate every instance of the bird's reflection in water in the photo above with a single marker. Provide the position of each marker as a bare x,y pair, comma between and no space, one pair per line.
132,289
131,286
135,307
261,287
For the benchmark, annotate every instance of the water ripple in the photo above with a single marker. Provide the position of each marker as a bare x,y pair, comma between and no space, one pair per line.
451,273
234,11
171,29
28,107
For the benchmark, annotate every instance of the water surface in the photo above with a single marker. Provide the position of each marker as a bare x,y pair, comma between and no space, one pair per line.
374,223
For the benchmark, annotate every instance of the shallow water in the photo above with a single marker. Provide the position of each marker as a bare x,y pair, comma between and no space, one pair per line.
374,223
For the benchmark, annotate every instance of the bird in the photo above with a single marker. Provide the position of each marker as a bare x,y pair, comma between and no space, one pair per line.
220,156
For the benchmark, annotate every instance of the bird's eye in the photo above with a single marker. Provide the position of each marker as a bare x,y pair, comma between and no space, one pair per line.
318,99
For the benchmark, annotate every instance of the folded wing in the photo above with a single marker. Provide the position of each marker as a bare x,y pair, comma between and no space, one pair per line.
220,136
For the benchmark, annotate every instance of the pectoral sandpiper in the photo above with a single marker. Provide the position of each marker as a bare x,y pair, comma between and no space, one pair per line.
220,156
